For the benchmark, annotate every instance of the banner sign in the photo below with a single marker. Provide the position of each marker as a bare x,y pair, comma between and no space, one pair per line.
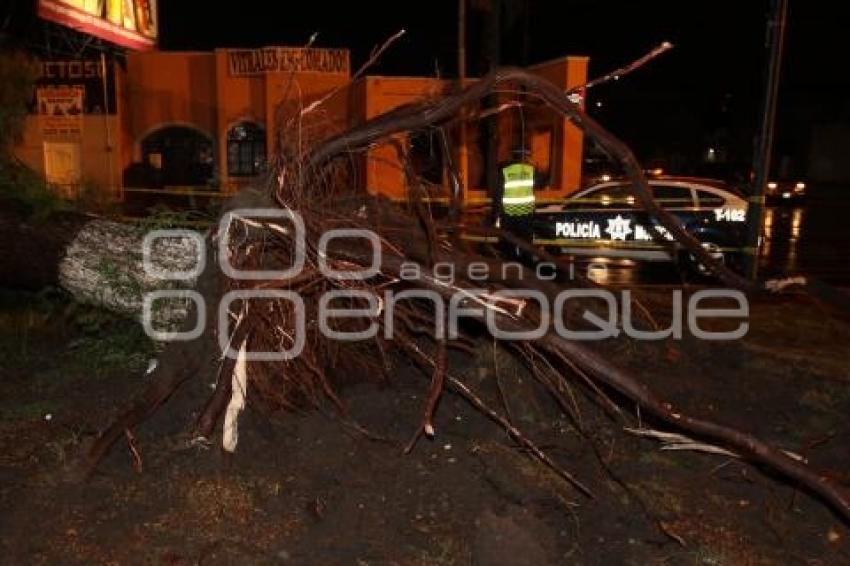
60,112
249,62
80,72
128,23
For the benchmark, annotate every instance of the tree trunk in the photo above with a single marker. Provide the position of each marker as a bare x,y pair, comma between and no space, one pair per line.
96,260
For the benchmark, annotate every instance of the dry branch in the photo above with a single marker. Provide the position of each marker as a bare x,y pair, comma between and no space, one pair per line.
418,116
617,74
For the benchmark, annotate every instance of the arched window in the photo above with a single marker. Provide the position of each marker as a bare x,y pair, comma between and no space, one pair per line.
246,150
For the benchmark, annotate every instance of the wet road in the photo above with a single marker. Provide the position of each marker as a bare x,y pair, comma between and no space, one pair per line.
812,238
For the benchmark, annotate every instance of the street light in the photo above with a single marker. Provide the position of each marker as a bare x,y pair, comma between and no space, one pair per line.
776,34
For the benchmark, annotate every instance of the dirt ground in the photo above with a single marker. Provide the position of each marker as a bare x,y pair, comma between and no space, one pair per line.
307,490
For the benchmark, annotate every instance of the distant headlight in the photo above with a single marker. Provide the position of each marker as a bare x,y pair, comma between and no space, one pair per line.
800,187
605,178
772,185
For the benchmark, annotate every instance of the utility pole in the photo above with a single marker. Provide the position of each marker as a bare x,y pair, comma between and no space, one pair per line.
461,41
492,55
104,72
463,158
761,161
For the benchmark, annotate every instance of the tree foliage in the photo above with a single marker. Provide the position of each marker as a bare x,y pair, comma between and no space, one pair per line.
18,72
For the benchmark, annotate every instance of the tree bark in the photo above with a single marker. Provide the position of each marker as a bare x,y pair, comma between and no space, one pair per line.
96,260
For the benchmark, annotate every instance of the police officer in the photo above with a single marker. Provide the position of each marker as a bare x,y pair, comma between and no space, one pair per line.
517,207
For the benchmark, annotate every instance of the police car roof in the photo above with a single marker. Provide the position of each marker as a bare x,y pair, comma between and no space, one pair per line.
715,183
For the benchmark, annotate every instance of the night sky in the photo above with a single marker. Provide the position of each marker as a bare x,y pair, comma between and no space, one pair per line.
710,85
704,92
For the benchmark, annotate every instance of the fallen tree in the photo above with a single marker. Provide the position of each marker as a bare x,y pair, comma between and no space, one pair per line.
95,259
309,182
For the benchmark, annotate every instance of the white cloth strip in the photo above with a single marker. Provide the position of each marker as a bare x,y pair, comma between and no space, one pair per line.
239,384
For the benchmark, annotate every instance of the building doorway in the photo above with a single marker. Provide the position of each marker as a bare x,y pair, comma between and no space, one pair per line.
178,156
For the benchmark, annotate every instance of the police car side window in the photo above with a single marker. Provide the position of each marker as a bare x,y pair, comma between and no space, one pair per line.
707,199
672,196
615,197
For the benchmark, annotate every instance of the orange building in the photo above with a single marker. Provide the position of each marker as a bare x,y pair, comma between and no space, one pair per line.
171,120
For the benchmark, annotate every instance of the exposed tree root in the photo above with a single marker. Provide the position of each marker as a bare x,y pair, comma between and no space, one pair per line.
313,184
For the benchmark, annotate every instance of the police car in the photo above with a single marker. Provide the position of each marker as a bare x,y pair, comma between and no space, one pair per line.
606,220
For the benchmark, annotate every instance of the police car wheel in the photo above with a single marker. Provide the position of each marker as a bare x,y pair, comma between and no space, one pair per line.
714,251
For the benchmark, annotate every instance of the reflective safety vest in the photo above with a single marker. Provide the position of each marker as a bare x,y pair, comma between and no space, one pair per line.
518,196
